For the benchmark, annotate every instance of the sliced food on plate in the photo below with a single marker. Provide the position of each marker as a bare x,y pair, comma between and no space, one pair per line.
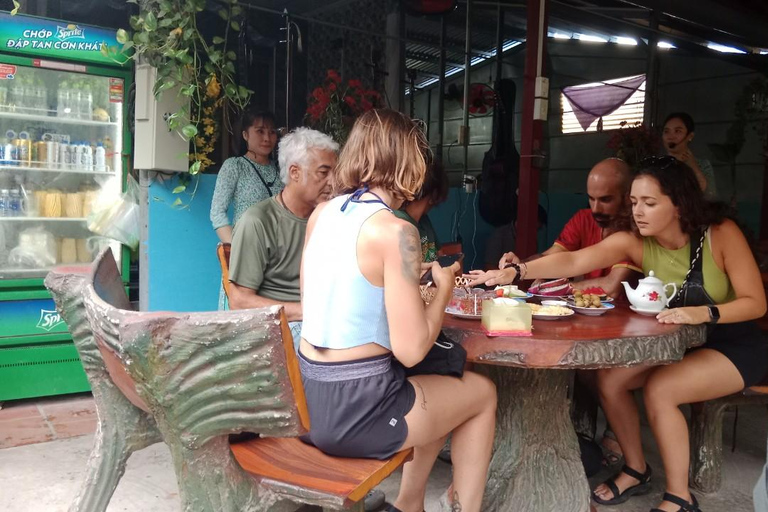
555,288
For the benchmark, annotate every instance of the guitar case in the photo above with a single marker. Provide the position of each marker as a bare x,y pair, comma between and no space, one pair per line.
501,163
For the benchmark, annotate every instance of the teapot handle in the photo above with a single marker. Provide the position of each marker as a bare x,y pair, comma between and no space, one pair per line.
674,292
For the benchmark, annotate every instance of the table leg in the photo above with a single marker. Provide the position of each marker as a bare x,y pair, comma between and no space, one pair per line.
536,464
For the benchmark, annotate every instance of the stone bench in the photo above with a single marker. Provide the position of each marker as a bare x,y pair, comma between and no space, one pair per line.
191,379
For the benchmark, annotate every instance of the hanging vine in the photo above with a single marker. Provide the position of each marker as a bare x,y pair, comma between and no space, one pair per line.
166,35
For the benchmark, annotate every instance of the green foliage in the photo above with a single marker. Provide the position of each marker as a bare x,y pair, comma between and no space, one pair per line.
166,35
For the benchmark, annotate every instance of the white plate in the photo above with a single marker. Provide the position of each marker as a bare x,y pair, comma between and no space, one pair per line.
646,312
593,311
459,314
554,302
551,317
553,297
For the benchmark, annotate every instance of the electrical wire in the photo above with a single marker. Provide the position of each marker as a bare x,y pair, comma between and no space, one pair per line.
474,230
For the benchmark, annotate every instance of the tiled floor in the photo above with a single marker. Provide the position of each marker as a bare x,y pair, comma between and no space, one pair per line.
39,420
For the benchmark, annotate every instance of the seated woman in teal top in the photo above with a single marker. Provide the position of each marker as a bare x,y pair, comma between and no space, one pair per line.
669,211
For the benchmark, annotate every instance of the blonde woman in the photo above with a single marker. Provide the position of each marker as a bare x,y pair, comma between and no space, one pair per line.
362,307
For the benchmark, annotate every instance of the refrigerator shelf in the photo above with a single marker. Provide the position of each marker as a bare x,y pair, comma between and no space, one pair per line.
43,219
57,171
55,119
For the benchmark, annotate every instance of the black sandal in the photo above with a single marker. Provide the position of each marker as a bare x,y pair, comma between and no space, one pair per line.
685,506
642,487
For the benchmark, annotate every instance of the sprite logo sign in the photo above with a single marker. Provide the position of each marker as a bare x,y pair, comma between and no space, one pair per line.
52,39
48,319
69,32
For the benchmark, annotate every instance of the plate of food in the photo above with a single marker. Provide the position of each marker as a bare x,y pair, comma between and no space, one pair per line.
550,312
592,290
555,288
511,291
592,309
466,316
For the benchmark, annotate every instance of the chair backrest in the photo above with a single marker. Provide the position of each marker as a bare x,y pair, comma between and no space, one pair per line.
204,374
222,251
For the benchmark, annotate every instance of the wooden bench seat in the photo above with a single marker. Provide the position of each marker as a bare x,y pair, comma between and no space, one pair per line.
285,463
191,380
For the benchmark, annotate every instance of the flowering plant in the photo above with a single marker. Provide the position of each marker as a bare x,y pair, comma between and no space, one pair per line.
633,143
333,107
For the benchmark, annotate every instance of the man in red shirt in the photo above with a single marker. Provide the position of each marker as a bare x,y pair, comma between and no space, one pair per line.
608,191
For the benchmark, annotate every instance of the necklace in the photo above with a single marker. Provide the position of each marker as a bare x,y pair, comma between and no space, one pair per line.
282,202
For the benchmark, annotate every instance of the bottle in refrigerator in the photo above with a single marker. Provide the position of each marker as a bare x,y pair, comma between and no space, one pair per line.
87,157
100,158
5,202
78,160
63,156
8,156
86,104
23,149
63,102
14,203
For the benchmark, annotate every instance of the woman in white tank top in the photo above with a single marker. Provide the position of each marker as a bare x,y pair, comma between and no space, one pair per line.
362,307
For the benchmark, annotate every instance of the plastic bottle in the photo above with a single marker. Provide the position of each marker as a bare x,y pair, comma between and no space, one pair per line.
87,157
86,104
75,97
5,200
14,203
9,153
77,161
100,158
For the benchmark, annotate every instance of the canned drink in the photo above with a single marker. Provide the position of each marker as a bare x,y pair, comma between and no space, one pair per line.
63,156
23,151
52,154
40,154
8,156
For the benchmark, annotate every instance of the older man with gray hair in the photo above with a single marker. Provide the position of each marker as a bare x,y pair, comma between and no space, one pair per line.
268,239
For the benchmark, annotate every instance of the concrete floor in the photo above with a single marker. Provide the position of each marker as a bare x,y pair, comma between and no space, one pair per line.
45,477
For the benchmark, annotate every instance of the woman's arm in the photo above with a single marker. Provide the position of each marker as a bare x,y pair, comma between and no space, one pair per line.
615,248
728,243
413,327
226,183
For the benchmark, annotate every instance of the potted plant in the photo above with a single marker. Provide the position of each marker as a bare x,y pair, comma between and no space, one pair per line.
333,107
633,143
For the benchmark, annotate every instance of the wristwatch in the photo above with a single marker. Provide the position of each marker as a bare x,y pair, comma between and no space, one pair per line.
517,271
714,314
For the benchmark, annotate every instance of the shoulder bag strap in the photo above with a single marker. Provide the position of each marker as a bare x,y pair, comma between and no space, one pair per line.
263,181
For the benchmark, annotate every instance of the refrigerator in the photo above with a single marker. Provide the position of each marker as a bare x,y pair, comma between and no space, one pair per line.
64,141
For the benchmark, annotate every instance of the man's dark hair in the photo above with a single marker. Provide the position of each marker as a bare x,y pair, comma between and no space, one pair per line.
435,185
684,117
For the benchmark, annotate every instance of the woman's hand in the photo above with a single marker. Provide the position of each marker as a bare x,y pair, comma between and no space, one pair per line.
508,257
444,278
491,277
694,315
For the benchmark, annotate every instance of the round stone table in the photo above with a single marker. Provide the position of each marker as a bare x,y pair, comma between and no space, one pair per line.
536,465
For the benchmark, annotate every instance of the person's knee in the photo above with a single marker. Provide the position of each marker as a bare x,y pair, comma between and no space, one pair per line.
607,384
483,390
658,394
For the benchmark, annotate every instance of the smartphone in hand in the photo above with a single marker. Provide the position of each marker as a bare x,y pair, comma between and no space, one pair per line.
444,261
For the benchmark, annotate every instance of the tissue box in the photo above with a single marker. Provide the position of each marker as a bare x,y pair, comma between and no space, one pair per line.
506,317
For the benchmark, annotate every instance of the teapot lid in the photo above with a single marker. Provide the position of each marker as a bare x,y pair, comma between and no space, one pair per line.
651,279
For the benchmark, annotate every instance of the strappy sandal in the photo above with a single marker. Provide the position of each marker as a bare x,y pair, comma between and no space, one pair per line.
392,508
642,487
685,506
611,458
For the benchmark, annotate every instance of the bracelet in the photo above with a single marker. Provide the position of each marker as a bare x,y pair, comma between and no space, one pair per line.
524,268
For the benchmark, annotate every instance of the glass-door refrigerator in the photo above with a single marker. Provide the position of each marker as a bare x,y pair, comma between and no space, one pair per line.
63,141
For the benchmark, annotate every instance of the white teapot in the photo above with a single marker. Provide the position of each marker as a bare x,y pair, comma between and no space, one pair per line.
650,294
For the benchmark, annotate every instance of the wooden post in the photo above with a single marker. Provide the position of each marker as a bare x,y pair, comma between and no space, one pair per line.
530,145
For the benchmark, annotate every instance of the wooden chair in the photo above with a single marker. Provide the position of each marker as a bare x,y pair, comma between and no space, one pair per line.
222,252
204,376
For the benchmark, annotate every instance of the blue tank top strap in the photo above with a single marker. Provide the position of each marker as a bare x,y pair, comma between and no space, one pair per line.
355,196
